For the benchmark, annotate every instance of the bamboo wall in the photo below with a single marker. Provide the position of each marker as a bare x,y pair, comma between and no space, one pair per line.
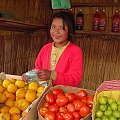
18,50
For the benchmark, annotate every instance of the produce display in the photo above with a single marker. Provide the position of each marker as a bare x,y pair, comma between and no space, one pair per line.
61,105
16,96
108,109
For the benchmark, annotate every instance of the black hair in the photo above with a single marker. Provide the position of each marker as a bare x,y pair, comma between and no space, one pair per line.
68,19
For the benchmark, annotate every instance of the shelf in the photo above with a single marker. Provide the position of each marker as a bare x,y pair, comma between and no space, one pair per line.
19,26
98,33
94,5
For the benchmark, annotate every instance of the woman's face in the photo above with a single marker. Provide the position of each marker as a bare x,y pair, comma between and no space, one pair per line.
59,32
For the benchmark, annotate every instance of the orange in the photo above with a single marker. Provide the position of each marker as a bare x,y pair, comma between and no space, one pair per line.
30,95
9,103
9,95
3,97
24,113
4,116
23,104
4,109
20,83
20,93
12,88
33,86
40,89
38,94
26,86
14,110
15,116
6,83
1,88
13,81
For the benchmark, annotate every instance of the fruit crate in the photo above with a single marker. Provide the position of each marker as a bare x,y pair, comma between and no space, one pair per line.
65,89
33,106
106,93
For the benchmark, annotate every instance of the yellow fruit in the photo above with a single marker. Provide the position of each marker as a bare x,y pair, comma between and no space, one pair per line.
13,81
3,98
40,89
9,95
4,109
9,103
20,83
33,86
4,116
24,113
6,83
15,116
1,82
38,94
16,103
26,86
30,95
20,93
12,88
23,104
1,88
14,110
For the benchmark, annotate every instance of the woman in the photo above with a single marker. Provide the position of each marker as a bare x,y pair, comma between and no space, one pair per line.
61,60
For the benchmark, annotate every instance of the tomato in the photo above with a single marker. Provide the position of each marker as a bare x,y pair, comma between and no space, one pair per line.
46,105
78,104
56,91
50,98
76,115
84,99
62,109
43,111
54,108
82,93
62,100
68,116
84,111
59,116
90,101
50,115
70,107
60,94
71,96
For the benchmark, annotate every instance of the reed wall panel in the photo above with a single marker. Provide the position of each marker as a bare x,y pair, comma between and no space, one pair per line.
101,58
18,52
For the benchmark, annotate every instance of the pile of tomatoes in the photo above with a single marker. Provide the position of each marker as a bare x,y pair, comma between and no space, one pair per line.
66,106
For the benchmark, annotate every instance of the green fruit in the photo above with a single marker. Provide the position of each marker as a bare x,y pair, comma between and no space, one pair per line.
109,108
118,102
112,118
97,119
102,107
105,117
108,112
111,100
116,113
119,107
99,114
114,106
103,100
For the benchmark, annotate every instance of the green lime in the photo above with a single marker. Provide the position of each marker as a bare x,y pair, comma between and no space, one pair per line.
114,106
112,118
116,113
108,112
99,114
103,100
102,107
111,100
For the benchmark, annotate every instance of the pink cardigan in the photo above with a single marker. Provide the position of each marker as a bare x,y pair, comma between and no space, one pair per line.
68,67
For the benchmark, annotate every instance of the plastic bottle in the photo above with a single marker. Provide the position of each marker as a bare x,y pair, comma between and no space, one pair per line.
102,23
80,20
96,21
115,22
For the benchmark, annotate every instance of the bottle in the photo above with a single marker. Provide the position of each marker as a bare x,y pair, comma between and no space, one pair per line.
115,22
102,23
79,20
96,21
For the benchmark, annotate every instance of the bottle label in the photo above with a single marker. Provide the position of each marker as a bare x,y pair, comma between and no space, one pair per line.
115,26
102,24
96,23
79,23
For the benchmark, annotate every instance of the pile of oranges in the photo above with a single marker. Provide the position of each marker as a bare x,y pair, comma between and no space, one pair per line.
16,96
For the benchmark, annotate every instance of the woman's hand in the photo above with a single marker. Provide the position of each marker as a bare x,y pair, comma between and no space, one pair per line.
24,77
44,74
